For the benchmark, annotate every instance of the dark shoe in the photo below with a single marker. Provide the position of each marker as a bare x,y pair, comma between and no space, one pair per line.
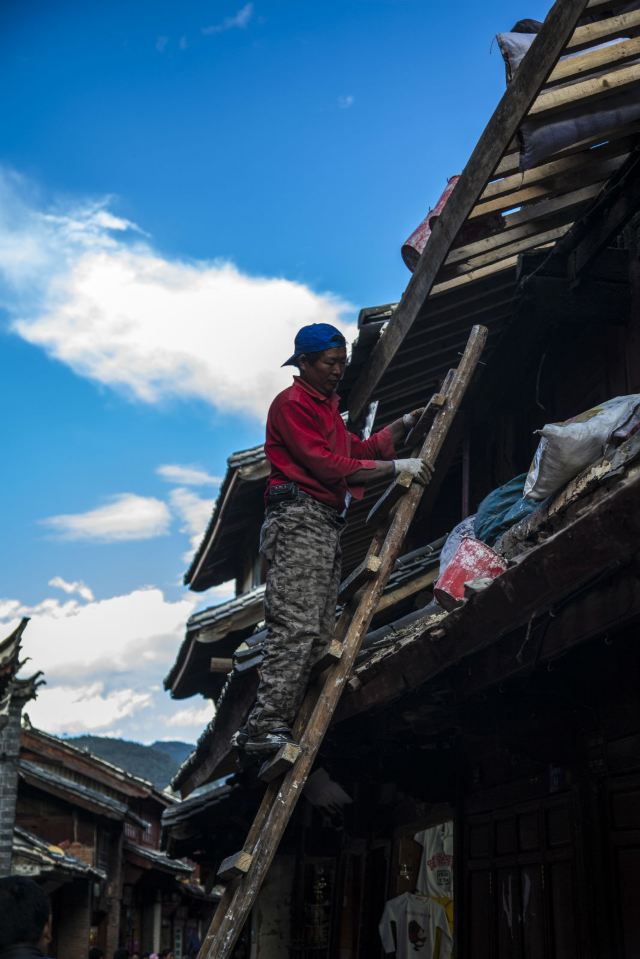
261,744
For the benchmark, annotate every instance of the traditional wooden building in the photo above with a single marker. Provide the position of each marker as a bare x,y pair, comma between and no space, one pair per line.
90,833
497,743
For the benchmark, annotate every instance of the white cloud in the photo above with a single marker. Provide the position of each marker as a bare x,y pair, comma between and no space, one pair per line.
126,517
239,20
194,513
187,475
78,587
79,709
134,632
193,510
344,102
104,662
191,716
91,291
161,44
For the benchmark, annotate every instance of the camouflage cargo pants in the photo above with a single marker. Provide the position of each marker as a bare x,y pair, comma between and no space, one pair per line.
301,543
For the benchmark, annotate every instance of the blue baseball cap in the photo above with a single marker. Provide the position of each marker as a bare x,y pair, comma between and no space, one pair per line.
315,338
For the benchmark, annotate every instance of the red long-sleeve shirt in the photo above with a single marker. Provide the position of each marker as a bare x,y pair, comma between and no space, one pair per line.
308,443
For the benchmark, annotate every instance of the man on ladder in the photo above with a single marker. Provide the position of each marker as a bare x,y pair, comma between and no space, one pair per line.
315,462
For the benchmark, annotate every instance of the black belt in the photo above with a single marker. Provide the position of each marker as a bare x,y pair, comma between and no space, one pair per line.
281,493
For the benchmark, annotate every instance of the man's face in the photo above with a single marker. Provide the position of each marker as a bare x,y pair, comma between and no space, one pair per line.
325,374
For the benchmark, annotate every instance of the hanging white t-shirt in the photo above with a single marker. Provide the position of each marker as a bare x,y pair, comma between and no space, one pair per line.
422,928
436,864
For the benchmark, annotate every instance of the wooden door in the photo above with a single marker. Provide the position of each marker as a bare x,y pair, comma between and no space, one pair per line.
521,894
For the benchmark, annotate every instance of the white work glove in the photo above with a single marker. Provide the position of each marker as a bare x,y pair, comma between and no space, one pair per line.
420,470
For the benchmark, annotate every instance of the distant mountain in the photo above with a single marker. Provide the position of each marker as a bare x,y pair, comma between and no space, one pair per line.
174,748
157,763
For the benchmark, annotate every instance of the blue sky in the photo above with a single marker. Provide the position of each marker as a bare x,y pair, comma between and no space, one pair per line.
181,186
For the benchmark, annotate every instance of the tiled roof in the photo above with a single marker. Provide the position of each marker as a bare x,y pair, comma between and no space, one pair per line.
32,854
76,792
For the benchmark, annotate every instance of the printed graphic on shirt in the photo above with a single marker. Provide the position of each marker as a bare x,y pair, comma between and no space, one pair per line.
415,925
436,865
417,936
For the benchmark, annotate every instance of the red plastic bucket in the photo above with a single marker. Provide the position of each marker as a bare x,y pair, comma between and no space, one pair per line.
472,560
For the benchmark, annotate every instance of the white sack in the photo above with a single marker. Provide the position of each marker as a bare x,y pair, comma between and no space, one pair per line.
540,139
567,448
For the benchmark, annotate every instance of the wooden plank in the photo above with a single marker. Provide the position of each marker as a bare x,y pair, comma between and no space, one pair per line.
554,205
367,569
505,122
595,60
357,621
564,165
583,92
279,764
408,590
236,865
510,249
529,225
511,162
220,665
608,29
596,171
475,274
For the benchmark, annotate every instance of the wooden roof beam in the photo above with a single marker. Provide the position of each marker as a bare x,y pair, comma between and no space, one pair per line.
562,183
583,92
548,170
511,162
579,66
603,30
543,55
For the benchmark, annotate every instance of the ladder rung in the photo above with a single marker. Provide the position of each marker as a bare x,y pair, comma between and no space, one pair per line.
328,658
236,865
420,430
220,665
366,571
392,495
281,763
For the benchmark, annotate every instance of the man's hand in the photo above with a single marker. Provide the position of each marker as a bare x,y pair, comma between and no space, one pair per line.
409,420
418,468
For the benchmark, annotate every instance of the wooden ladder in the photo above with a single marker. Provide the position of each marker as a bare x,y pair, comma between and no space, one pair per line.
287,772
